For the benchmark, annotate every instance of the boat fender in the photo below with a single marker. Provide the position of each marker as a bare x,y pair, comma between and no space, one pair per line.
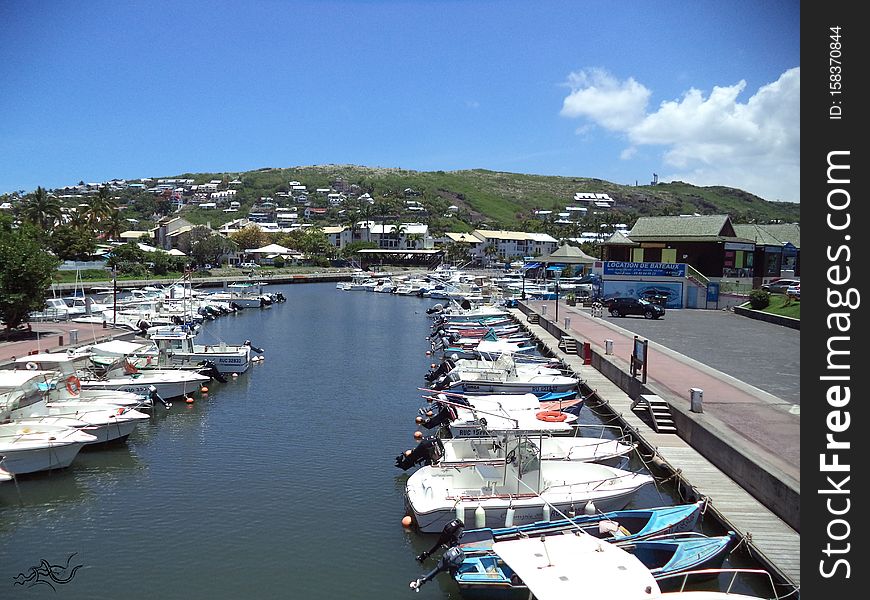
509,517
480,517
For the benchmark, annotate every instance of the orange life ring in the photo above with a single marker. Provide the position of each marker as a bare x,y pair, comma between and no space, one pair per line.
73,385
551,416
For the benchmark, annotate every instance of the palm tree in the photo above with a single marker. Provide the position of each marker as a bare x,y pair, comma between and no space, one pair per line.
100,207
42,210
398,231
114,225
413,238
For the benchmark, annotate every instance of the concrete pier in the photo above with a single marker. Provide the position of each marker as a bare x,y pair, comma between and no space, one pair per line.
751,489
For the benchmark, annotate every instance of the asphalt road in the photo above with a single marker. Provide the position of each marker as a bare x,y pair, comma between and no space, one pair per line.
761,354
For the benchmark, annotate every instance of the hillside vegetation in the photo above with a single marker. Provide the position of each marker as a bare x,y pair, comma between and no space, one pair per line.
492,199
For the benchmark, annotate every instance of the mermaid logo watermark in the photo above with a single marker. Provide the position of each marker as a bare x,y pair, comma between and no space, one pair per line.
48,574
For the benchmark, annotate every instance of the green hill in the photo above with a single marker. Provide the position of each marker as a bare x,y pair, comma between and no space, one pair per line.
495,199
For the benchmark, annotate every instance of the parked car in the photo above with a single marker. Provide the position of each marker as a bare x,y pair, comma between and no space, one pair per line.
620,307
779,286
248,265
794,291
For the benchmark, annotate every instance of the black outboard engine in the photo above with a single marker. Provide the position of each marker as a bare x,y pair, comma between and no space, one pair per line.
444,414
176,320
155,398
143,326
280,297
442,369
210,369
449,537
428,451
450,561
465,304
254,348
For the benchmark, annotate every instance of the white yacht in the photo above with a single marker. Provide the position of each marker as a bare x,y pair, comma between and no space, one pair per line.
25,398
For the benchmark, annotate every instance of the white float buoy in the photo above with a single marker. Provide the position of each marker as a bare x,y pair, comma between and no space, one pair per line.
480,517
509,517
460,512
590,509
545,513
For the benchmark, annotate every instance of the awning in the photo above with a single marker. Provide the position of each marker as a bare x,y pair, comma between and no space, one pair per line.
555,268
532,265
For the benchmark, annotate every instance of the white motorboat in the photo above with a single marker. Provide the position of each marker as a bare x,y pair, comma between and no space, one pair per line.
579,565
522,491
242,295
165,383
434,450
485,416
32,447
505,376
175,348
24,398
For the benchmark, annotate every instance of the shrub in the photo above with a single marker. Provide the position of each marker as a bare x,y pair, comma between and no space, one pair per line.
759,299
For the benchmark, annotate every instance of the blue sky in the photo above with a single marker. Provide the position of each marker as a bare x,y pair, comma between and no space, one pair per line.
701,91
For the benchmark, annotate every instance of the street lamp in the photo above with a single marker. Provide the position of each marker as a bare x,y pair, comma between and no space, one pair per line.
523,297
557,274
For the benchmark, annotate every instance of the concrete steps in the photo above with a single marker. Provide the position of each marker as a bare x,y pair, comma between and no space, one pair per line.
659,411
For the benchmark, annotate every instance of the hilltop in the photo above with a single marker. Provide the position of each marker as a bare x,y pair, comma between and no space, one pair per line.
501,199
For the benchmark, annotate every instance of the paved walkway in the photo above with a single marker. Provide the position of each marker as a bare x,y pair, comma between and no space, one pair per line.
761,419
52,337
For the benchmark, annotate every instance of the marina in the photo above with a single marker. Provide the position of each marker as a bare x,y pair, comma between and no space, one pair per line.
270,480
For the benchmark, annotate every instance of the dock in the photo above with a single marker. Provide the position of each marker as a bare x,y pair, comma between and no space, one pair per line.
768,537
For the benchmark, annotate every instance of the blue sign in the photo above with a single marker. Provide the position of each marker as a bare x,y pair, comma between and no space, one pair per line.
612,267
713,291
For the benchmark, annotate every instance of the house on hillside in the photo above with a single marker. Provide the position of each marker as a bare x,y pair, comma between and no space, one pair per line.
169,232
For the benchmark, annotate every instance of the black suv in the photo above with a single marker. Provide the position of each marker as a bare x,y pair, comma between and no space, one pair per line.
620,307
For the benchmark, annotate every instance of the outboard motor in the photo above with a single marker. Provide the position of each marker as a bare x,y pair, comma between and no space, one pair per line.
254,348
280,297
428,452
176,320
444,414
442,369
210,369
465,304
450,561
143,327
449,537
435,309
234,306
155,398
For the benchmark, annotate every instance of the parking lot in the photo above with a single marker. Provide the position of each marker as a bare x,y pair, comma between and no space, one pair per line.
761,354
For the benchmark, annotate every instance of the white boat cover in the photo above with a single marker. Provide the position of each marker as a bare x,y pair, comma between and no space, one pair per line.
578,566
119,348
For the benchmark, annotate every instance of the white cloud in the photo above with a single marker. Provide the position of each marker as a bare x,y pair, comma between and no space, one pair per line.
712,140
597,95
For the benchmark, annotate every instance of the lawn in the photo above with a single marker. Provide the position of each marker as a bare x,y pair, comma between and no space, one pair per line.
782,305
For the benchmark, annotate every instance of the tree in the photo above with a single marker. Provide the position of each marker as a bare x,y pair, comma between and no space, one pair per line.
249,237
25,273
72,243
208,247
42,210
100,207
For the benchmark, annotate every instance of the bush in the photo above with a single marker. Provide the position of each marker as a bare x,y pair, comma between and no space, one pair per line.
759,299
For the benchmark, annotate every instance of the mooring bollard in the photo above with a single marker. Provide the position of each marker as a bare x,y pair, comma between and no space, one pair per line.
697,396
608,346
567,323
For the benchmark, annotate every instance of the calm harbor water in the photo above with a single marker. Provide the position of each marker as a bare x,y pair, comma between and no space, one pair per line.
280,484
